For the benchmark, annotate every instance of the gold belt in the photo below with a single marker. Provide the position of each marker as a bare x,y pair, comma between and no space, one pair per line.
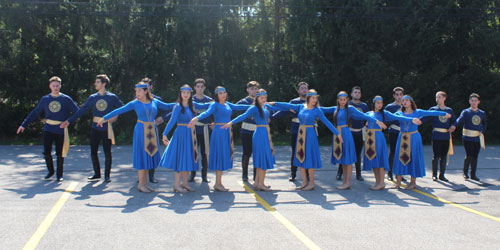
150,140
395,127
300,151
440,130
450,148
268,136
65,148
475,133
337,146
370,143
111,133
193,139
248,126
405,147
356,129
230,138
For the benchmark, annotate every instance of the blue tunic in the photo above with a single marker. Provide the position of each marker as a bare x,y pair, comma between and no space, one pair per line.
100,105
294,126
473,120
54,108
146,113
348,148
416,166
220,142
308,117
393,108
248,101
355,123
205,99
261,148
441,122
381,160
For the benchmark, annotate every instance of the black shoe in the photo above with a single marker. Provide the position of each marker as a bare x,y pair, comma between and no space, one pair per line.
403,179
339,177
466,176
291,178
93,178
48,176
60,179
153,180
390,178
359,178
107,179
191,178
205,180
474,178
442,178
434,178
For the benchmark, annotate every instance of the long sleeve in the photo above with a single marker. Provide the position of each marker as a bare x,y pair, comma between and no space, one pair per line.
392,117
356,114
173,119
238,106
272,108
284,106
483,130
210,111
249,112
328,124
124,109
460,118
73,107
328,110
201,105
164,106
35,113
423,113
453,119
86,106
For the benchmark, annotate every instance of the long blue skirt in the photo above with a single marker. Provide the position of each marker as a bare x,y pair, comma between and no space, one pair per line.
141,159
312,156
348,149
261,150
220,149
381,160
416,167
179,154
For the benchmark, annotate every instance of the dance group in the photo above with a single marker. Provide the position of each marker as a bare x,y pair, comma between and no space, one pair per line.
205,122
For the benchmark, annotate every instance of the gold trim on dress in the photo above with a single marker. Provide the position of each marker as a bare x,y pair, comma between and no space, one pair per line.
370,143
337,145
150,140
405,147
300,149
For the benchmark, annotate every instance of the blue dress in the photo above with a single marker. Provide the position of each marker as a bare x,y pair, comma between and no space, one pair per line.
145,113
348,148
220,157
308,117
262,156
381,159
416,166
179,154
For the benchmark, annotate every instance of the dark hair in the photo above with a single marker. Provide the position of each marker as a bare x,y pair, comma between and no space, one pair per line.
149,96
441,93
308,97
302,83
355,87
216,95
398,89
147,80
103,78
55,79
346,110
199,80
413,105
474,95
256,103
253,84
190,100
381,110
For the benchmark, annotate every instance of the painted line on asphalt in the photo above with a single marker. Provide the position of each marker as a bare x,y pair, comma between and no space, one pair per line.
293,229
44,226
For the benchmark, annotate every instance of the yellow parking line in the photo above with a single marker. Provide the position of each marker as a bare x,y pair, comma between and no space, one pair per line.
42,229
294,230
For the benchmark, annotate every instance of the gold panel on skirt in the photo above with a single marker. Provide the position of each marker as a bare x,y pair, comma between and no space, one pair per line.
300,151
405,147
150,141
370,145
337,146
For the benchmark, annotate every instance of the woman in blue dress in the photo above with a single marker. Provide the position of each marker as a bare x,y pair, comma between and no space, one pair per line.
345,153
181,154
376,157
262,145
145,143
409,158
221,141
307,155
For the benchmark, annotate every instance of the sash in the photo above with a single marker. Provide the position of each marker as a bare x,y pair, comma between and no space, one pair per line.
370,145
65,148
405,147
230,138
300,151
150,140
111,133
395,127
268,136
450,148
248,126
193,139
475,133
337,146
206,137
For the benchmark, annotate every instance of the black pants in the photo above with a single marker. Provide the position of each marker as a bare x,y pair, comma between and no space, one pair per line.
246,142
58,139
96,136
440,151
472,152
393,140
200,139
358,144
293,143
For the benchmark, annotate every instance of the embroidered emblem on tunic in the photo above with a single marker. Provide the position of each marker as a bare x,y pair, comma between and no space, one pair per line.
54,106
443,119
101,105
476,120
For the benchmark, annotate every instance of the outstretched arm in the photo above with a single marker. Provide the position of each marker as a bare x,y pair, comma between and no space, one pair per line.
173,119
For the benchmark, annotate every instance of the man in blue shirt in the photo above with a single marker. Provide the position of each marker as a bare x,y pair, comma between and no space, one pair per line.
474,121
397,93
101,103
247,128
57,107
202,129
357,129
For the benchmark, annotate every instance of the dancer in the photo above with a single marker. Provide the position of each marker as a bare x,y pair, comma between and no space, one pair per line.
393,133
247,129
357,127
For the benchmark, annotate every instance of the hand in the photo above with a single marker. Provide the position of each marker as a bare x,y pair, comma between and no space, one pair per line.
192,122
100,122
448,115
292,111
211,126
382,125
452,129
271,103
20,129
416,121
165,140
113,119
340,138
227,125
64,124
159,120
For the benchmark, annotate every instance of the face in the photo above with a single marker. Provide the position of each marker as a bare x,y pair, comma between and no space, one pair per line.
342,101
55,86
406,103
356,94
222,95
303,90
98,84
262,100
440,99
185,94
313,100
140,93
474,102
378,105
398,95
252,91
199,88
